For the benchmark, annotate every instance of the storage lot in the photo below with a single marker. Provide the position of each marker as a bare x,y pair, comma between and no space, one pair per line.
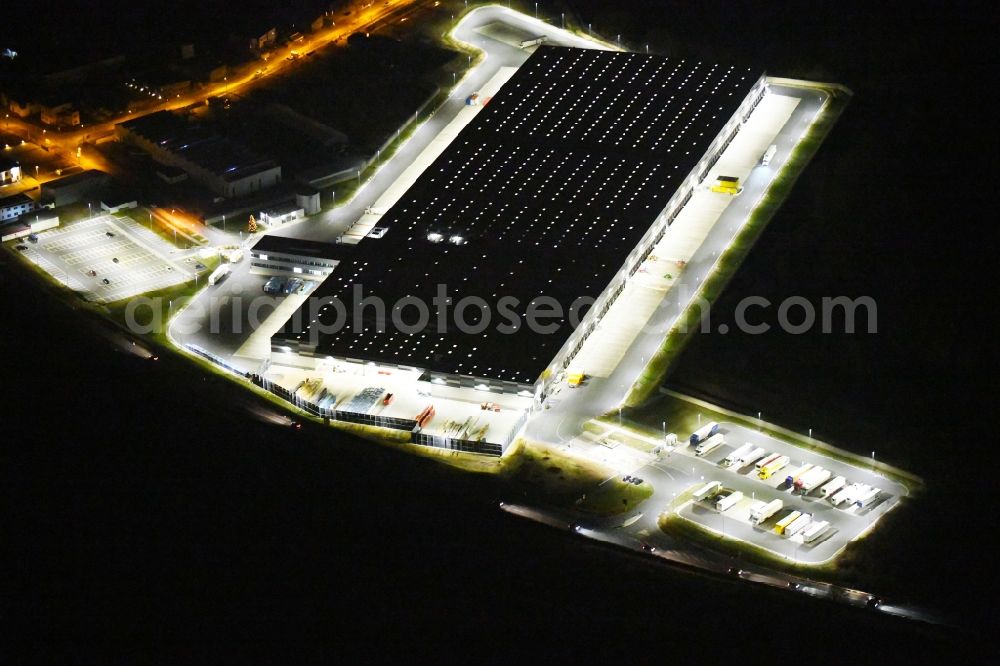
846,522
132,259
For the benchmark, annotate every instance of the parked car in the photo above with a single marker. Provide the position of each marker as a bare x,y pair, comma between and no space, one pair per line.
109,234
106,281
22,248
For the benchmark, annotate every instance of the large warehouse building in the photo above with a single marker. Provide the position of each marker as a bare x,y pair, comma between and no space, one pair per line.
559,188
225,167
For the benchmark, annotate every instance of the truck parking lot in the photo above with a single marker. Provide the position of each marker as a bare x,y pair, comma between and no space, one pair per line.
796,503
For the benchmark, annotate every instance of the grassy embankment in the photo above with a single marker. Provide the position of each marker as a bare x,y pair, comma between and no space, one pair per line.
542,472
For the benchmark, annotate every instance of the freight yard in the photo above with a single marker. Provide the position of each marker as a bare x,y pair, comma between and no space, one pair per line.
797,505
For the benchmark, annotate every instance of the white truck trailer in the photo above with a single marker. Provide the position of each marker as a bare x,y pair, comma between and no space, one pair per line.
768,155
737,455
710,444
849,494
798,525
751,457
728,501
815,531
759,514
218,274
706,490
867,499
765,460
833,486
812,479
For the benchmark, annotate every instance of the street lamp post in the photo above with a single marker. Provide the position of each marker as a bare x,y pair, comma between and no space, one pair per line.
563,18
223,222
536,10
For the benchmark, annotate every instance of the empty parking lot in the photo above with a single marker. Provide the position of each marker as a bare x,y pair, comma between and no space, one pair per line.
107,259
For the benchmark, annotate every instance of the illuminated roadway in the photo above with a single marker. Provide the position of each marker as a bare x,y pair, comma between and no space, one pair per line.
369,14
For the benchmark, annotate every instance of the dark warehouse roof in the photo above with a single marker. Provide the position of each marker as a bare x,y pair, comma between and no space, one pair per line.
544,193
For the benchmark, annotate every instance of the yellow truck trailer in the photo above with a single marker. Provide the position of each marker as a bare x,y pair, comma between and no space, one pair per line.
727,185
780,526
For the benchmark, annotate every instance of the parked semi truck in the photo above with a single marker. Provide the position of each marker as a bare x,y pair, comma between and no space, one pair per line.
867,499
751,457
812,479
729,501
759,514
849,494
770,468
737,455
727,185
706,490
766,460
798,525
833,486
815,531
798,474
704,432
218,274
710,444
783,524
768,155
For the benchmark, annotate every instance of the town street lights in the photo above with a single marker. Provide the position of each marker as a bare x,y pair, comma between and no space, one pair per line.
563,17
223,222
536,10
